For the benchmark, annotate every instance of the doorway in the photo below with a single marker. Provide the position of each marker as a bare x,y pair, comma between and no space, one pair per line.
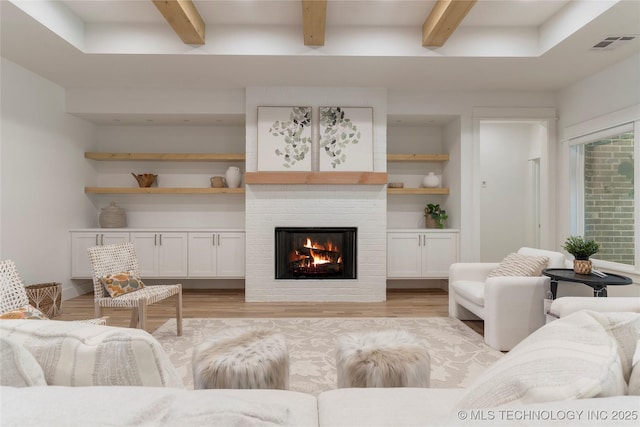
510,153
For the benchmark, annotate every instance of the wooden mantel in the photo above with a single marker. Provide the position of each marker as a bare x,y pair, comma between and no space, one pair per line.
316,178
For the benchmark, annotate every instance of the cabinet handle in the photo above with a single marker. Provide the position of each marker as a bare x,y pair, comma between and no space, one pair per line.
102,239
160,239
213,239
155,240
424,240
97,239
419,240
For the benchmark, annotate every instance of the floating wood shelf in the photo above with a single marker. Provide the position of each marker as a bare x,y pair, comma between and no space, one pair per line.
418,191
417,157
162,190
173,157
316,178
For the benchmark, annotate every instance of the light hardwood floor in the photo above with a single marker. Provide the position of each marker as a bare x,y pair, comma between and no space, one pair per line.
231,303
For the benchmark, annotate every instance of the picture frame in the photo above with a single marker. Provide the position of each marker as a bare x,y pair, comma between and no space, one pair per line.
346,139
284,138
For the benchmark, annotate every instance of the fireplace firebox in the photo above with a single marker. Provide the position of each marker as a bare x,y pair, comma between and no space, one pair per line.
316,252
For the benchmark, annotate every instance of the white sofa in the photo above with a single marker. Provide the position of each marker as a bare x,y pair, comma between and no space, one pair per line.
591,392
512,307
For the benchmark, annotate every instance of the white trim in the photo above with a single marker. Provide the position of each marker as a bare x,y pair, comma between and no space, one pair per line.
625,115
517,113
601,134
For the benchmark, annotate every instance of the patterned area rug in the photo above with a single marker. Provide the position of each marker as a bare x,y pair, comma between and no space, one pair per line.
458,354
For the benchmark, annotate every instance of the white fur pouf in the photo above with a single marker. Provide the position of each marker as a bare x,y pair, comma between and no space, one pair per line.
382,359
242,358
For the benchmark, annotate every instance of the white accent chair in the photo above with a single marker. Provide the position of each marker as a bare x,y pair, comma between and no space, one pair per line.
512,307
118,258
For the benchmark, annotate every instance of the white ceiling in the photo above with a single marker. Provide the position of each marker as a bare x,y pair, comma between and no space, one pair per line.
502,45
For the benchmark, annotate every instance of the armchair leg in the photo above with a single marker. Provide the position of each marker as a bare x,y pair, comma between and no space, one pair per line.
134,318
142,314
179,312
98,311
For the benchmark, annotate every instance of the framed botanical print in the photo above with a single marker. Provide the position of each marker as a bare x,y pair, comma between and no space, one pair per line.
346,139
284,138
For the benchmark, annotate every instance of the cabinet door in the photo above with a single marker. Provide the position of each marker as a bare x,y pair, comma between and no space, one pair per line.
202,254
81,241
439,251
146,246
231,254
172,254
404,255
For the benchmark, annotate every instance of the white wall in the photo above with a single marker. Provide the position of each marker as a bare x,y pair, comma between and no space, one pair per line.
43,174
597,102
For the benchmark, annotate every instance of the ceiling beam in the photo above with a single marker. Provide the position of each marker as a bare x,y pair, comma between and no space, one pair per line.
444,18
184,18
314,20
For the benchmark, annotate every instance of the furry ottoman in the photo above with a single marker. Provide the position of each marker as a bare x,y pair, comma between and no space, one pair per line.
242,358
382,359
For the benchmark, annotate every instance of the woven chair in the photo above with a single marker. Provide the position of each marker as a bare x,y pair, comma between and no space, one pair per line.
118,258
12,292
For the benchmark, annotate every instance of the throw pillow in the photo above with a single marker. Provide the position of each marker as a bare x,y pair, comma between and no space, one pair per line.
26,312
571,358
19,368
121,283
520,265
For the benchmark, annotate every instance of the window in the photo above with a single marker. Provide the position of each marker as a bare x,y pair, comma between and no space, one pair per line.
603,193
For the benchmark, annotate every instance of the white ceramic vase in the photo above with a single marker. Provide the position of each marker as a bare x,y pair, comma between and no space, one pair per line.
233,177
431,180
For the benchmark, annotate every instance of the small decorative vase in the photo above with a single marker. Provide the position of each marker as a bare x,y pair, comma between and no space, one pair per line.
582,266
233,177
431,180
218,182
112,217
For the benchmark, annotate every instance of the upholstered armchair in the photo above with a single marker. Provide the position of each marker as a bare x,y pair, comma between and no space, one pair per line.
512,307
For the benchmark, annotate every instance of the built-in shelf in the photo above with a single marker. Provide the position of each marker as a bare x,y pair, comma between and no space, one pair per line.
417,157
316,178
432,191
162,190
171,157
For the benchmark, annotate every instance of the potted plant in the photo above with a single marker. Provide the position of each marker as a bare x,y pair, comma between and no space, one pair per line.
435,216
581,249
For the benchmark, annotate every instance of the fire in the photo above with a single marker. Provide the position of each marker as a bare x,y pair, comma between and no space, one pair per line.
321,254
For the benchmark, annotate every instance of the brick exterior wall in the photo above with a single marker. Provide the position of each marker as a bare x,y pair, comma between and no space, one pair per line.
609,198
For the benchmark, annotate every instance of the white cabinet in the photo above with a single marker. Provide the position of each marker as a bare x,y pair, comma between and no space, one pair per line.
161,254
419,254
216,254
81,241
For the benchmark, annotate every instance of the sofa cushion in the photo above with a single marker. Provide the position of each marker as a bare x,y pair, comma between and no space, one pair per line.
149,406
625,329
634,378
520,265
121,283
82,354
27,312
571,358
18,367
471,290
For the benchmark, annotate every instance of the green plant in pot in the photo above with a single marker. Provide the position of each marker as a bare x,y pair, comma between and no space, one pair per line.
435,216
581,249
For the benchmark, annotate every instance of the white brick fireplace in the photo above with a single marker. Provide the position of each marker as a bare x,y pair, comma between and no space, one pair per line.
271,206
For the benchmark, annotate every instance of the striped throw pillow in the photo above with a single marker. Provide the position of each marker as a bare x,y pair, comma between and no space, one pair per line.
520,265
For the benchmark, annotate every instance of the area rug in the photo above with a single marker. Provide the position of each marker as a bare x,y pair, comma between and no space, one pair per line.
458,354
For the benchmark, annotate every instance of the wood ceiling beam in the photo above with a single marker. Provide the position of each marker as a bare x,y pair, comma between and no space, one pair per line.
314,20
184,18
444,18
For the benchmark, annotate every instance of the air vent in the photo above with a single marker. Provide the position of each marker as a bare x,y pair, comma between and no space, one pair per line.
613,42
